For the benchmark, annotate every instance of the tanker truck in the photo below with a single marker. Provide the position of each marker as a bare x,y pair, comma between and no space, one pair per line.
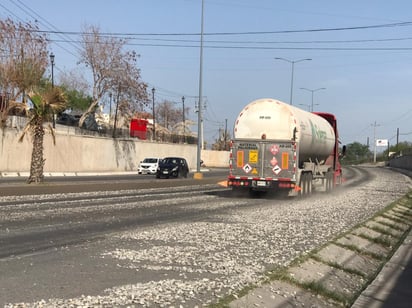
278,147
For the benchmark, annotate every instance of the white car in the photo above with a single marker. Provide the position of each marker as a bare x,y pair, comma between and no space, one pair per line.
148,165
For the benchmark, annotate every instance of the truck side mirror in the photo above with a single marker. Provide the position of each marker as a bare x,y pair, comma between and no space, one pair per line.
343,151
295,130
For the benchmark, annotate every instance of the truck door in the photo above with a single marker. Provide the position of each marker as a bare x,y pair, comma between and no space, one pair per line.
263,159
278,160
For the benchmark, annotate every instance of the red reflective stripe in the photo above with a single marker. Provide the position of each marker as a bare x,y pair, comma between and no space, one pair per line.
284,180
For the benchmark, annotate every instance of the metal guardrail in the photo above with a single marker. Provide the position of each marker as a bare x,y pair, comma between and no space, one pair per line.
19,123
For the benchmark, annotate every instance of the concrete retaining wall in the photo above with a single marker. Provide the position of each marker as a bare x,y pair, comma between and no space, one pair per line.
77,153
403,162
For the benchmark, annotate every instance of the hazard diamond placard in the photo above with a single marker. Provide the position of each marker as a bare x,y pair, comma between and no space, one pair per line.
274,149
247,168
276,170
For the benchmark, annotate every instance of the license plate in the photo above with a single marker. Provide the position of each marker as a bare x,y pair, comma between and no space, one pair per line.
261,183
165,172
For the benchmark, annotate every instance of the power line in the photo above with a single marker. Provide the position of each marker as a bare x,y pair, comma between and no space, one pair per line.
264,47
390,25
27,10
405,114
267,42
65,36
167,92
11,12
278,42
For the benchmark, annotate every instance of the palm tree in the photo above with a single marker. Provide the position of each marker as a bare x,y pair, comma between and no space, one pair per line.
46,102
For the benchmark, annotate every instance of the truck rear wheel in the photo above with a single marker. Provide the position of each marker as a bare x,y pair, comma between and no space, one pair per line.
306,184
329,181
309,183
302,184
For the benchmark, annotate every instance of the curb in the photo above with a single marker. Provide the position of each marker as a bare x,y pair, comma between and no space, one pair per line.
346,270
63,174
389,287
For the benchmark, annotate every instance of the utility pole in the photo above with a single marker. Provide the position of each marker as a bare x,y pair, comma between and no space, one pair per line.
184,125
397,138
374,141
154,126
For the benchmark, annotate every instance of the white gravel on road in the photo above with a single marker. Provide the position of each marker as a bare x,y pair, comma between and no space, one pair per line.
211,258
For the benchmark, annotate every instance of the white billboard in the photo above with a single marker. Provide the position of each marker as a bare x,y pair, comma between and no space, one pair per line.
382,142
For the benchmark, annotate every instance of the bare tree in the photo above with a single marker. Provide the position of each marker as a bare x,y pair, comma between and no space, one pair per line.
74,80
113,69
223,142
23,60
168,114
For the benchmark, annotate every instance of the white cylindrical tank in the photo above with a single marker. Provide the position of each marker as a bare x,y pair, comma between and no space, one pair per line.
274,120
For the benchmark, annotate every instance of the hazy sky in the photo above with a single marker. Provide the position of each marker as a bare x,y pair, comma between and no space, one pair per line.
361,53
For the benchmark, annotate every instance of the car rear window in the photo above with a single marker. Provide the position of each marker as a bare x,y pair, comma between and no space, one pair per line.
150,160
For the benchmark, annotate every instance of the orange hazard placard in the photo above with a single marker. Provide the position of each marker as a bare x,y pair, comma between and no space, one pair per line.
239,159
285,160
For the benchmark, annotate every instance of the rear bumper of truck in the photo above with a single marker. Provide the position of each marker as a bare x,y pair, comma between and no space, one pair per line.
256,183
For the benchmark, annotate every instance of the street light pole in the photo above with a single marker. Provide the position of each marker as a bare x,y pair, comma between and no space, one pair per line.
306,105
115,113
198,175
314,90
225,148
154,126
52,80
293,69
110,106
52,68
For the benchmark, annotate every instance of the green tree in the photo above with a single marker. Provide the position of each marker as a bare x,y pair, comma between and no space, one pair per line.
77,100
45,102
77,90
401,146
356,153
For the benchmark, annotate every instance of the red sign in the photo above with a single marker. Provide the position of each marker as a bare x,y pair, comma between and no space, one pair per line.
138,128
274,149
274,161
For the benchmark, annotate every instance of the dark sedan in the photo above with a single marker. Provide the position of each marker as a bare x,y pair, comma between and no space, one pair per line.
172,167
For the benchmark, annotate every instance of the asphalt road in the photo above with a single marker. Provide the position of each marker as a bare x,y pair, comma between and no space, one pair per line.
107,182
118,241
